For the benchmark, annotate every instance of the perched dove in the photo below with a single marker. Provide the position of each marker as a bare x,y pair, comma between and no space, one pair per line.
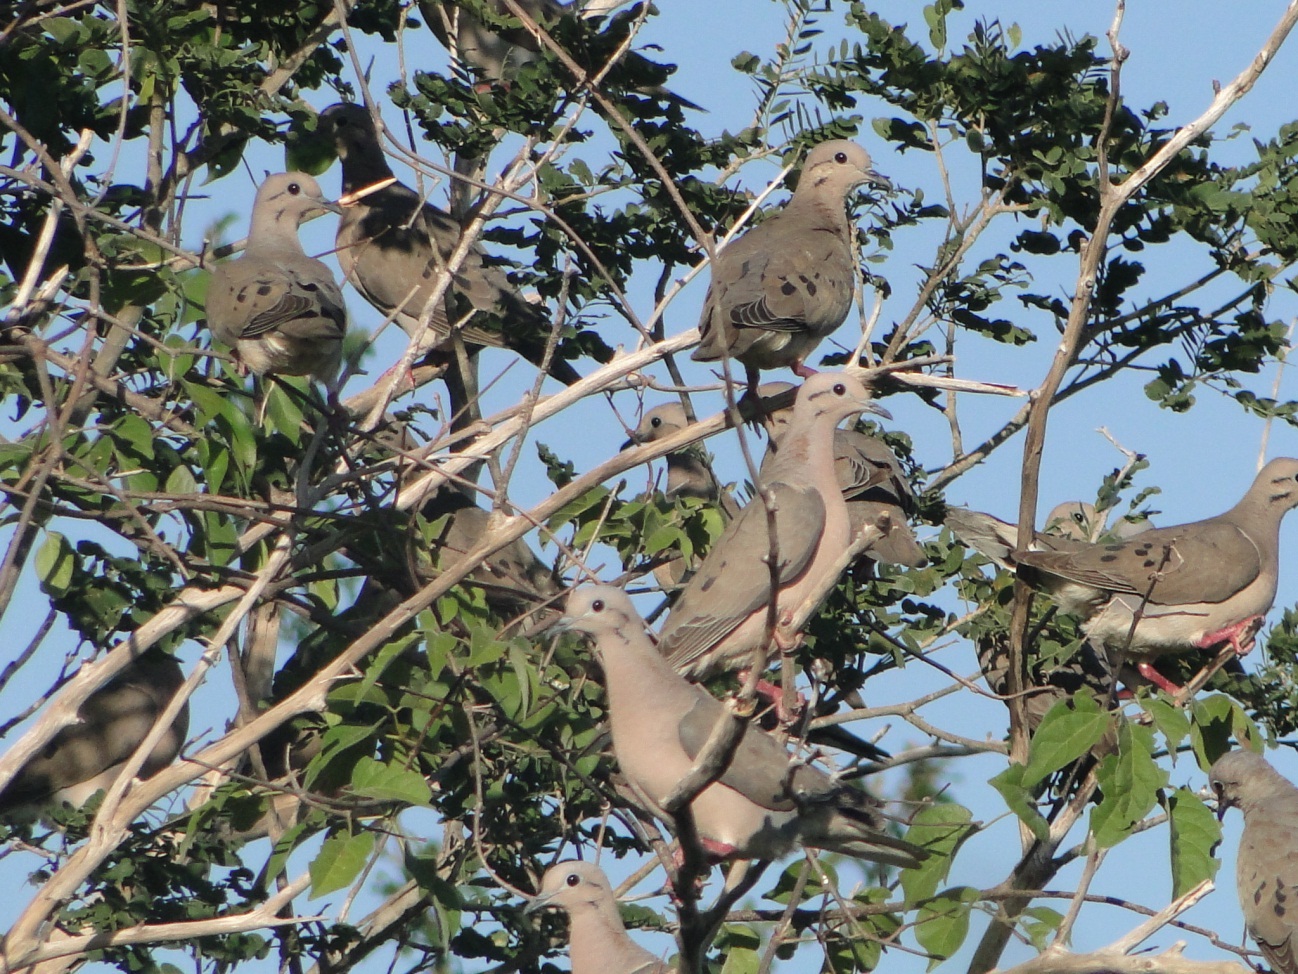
1266,867
764,804
1072,521
87,756
1070,526
514,580
280,310
786,284
393,247
1172,590
873,483
496,55
688,474
597,939
721,616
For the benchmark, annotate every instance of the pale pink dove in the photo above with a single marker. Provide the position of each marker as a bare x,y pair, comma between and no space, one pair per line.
786,284
764,804
721,616
874,485
688,474
280,310
1266,865
597,939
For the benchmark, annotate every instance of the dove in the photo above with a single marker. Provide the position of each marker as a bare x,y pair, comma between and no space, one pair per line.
496,54
1266,866
281,311
764,804
786,284
393,247
597,939
873,483
87,756
1175,589
721,616
688,475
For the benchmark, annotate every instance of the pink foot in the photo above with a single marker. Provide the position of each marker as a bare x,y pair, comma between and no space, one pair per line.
802,370
1240,636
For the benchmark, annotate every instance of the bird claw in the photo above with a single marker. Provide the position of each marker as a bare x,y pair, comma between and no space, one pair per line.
1239,635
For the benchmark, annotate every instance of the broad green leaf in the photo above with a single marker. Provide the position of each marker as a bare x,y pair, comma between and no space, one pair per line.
55,564
1195,833
939,828
1129,781
1039,924
942,923
1020,801
741,946
341,859
1171,721
387,782
1069,730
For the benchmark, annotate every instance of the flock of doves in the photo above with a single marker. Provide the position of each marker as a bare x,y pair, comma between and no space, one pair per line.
825,494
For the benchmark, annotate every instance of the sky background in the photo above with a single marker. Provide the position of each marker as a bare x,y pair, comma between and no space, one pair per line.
1202,461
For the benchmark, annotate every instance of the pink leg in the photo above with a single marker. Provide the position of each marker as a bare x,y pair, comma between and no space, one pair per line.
1153,676
802,370
774,696
1239,635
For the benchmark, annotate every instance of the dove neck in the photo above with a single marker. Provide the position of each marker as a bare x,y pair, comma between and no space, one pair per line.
598,942
273,234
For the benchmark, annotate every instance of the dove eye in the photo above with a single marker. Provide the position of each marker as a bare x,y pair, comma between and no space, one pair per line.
596,606
840,389
656,422
840,157
294,189
573,879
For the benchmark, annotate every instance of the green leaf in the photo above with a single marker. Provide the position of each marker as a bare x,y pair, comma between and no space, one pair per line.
939,828
1069,730
741,945
1170,720
1130,781
1020,801
1195,833
55,564
341,859
388,782
942,923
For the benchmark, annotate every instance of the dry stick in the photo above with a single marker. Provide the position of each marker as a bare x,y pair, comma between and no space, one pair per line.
1112,198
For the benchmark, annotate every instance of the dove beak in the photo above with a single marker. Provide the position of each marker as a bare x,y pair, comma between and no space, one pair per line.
874,179
538,903
874,407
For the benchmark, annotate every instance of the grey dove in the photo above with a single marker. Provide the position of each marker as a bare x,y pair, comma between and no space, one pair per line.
1072,521
764,804
281,311
721,616
87,756
597,939
873,483
1175,589
786,284
1266,865
688,474
496,54
393,247
1070,526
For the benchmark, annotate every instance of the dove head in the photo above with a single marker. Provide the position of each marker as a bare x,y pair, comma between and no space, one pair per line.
659,423
599,610
1242,779
1074,519
1276,486
284,200
572,886
830,397
838,167
356,141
